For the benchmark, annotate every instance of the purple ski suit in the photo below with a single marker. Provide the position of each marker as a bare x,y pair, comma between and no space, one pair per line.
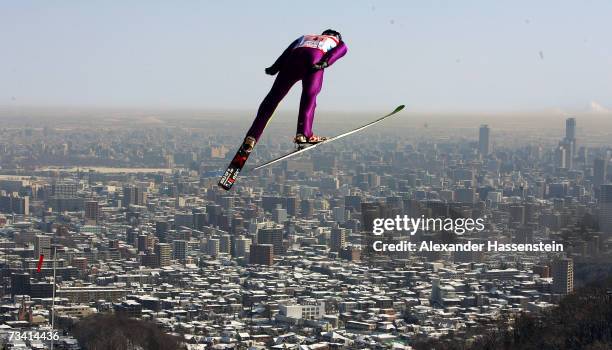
295,64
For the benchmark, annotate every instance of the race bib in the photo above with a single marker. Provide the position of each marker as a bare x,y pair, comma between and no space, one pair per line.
319,42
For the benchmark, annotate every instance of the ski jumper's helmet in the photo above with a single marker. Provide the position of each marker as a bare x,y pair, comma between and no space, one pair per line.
332,33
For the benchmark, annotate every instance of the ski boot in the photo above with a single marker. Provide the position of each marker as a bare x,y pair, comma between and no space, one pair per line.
302,141
248,144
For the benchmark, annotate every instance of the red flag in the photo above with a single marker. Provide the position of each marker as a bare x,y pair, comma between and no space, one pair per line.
40,262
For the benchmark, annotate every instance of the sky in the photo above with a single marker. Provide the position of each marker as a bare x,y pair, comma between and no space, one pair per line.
432,55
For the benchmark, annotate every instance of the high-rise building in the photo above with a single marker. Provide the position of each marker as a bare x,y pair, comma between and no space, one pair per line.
133,195
64,197
12,184
241,246
42,245
161,230
179,249
15,204
92,210
262,254
352,202
484,140
338,214
214,212
183,220
237,225
569,142
225,244
568,153
142,243
279,215
163,253
563,276
148,259
570,129
307,208
561,156
337,239
605,208
272,236
212,246
227,202
600,172
369,212
64,190
292,205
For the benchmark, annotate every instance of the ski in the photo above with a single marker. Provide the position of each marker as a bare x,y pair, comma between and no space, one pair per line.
307,148
237,164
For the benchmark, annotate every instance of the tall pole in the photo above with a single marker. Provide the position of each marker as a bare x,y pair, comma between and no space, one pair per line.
53,301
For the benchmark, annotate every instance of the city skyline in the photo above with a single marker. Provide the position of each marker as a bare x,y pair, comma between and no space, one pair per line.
291,256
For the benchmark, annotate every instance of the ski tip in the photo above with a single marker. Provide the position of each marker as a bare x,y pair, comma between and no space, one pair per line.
226,188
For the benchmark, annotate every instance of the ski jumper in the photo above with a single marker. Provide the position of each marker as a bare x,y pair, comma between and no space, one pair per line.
295,64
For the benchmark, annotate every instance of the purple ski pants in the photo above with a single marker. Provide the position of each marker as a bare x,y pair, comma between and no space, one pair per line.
297,67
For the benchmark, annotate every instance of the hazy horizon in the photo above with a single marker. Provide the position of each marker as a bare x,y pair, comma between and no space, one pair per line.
594,126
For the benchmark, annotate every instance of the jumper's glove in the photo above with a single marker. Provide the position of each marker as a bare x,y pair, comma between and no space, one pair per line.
271,70
320,65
